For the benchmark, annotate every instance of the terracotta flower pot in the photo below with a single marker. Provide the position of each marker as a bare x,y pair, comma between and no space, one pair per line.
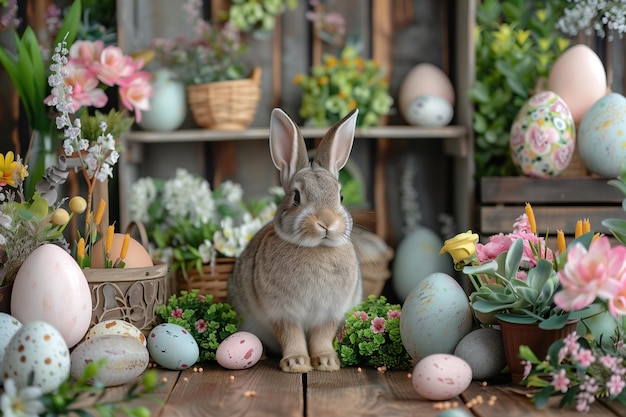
538,340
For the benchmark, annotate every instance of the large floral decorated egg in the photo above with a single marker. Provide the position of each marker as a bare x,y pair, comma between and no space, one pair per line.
543,136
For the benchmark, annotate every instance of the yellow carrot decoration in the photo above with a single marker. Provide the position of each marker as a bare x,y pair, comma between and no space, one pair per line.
100,212
586,226
531,218
109,241
579,228
560,238
125,244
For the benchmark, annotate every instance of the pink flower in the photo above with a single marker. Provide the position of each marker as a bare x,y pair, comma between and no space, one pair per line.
85,91
393,314
560,381
361,314
497,244
541,138
201,326
113,65
584,357
135,93
84,53
378,325
615,385
592,274
177,313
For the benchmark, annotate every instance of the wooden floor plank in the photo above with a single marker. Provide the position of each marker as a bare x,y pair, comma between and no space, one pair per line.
263,390
369,392
515,402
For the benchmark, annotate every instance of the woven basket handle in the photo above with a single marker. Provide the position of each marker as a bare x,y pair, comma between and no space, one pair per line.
143,234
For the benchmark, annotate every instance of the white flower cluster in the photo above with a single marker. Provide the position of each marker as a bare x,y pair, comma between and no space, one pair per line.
101,155
599,16
189,196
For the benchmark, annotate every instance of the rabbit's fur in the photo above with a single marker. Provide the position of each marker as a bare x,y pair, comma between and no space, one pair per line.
299,275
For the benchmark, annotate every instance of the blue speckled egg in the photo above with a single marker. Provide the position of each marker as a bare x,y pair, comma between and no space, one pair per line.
543,136
602,136
435,316
172,346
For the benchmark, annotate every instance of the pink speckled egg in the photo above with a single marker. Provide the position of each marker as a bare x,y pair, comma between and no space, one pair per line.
240,350
441,376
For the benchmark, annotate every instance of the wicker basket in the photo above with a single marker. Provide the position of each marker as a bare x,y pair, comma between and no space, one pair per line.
374,257
225,105
210,280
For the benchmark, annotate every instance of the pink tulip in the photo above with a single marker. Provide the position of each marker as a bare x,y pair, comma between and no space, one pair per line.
135,93
113,66
86,52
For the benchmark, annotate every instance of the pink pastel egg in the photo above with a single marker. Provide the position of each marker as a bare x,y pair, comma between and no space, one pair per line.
441,376
240,350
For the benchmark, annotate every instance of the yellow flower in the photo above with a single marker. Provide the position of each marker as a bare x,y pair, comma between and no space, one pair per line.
542,15
297,80
11,170
331,61
460,246
78,204
561,44
60,217
522,36
323,80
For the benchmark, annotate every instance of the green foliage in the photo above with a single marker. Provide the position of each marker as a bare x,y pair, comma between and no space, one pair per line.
117,122
520,301
516,44
249,15
358,343
63,401
188,308
341,84
618,226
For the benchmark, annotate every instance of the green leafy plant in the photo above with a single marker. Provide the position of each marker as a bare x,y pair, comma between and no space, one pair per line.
499,291
341,84
618,226
249,15
371,335
516,45
209,323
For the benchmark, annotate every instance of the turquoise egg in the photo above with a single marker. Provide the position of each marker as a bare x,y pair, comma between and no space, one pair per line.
543,136
602,136
435,316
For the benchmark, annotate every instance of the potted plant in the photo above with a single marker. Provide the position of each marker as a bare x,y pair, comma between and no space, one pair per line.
198,231
258,17
515,279
223,89
341,84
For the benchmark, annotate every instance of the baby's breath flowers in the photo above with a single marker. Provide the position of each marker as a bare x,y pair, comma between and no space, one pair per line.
600,16
190,225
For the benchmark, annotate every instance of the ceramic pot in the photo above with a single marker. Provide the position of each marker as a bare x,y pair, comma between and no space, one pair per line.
168,104
537,339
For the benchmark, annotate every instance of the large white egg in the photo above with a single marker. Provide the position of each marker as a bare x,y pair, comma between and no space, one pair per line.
50,286
579,78
429,111
435,316
424,80
602,136
37,349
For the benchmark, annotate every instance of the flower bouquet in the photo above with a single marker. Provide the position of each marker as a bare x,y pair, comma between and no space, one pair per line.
371,335
193,228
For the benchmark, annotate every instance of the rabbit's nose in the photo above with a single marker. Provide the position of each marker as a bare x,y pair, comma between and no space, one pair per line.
328,220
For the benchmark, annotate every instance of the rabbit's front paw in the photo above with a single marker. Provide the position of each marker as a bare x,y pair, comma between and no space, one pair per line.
296,364
326,362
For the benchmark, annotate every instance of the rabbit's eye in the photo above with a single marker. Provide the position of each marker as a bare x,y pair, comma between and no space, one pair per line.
296,198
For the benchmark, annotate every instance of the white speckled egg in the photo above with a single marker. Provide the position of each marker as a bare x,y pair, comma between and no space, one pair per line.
9,325
602,136
172,347
37,348
483,350
429,111
435,316
441,377
126,358
50,286
425,79
240,350
543,136
118,327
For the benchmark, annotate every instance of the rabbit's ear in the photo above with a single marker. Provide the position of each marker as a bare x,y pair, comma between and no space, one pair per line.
334,149
287,146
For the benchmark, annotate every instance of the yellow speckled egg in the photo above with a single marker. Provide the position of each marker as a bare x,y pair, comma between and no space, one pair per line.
118,327
436,315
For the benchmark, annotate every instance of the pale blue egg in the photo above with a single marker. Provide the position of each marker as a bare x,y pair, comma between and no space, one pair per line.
435,316
172,346
602,136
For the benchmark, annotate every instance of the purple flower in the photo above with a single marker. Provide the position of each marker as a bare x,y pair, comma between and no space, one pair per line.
378,325
177,313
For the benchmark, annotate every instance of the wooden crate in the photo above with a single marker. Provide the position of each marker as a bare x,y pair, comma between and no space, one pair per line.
557,203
